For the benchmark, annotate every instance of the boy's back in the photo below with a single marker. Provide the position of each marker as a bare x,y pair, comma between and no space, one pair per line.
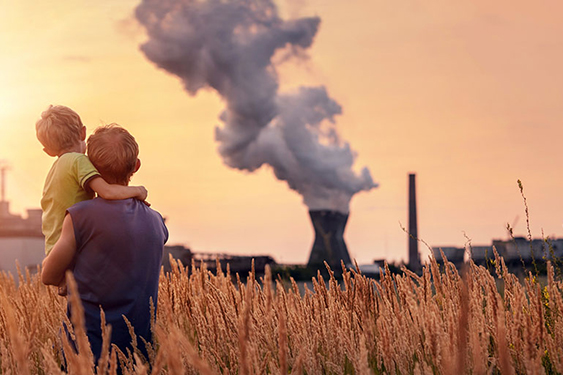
119,246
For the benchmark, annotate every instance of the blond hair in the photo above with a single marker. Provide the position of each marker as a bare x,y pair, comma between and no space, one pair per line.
59,128
113,151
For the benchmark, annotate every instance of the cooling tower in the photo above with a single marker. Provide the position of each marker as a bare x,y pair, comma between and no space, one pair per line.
329,242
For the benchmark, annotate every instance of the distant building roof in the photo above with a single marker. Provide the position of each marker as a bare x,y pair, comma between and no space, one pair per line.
17,226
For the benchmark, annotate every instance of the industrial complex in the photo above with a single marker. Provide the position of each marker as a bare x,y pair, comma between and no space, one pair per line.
22,244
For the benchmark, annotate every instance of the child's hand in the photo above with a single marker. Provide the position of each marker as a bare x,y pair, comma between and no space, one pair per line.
142,193
62,290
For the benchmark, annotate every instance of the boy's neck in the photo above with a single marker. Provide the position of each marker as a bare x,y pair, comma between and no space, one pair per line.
79,148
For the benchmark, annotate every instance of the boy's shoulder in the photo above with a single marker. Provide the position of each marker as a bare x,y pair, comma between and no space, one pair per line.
78,165
82,205
99,205
71,156
115,204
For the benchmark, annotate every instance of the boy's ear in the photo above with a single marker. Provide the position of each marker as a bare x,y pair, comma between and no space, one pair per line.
83,133
137,165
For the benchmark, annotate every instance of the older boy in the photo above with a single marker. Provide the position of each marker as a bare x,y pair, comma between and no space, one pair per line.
115,248
72,177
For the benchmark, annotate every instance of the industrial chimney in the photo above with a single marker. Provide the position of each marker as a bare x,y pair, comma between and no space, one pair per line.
329,242
414,257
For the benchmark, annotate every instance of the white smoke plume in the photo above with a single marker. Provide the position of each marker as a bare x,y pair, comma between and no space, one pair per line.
228,45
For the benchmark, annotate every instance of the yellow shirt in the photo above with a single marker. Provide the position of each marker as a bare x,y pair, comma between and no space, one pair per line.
65,185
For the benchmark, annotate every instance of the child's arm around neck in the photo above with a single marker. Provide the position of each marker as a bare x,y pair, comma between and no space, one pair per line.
114,191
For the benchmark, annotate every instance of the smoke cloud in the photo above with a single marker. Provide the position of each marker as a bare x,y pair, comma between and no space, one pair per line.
228,46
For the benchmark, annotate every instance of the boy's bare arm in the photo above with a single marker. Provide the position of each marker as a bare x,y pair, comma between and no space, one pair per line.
113,192
61,256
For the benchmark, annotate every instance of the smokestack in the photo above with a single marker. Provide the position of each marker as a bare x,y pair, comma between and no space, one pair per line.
329,242
414,257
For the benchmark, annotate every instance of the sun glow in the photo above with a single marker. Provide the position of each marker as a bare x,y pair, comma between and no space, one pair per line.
13,67
7,105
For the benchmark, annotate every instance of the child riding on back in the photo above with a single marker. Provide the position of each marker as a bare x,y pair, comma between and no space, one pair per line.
72,177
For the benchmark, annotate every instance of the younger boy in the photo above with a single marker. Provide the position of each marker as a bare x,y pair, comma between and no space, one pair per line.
72,177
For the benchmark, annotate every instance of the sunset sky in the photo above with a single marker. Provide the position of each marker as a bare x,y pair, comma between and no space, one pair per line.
468,95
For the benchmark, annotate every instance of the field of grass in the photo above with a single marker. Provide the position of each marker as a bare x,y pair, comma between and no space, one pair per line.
443,322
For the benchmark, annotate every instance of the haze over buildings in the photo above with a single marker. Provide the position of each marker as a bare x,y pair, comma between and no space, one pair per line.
20,237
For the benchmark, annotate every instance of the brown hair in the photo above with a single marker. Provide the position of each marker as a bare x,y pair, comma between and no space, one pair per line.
113,151
58,128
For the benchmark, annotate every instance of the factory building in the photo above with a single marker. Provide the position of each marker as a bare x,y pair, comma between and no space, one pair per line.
515,251
20,239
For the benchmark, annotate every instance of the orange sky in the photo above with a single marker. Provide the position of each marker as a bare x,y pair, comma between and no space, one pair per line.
467,95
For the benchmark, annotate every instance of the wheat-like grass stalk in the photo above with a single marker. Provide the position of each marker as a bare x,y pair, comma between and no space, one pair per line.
441,321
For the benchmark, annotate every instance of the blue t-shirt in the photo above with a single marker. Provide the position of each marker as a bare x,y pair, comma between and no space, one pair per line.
119,247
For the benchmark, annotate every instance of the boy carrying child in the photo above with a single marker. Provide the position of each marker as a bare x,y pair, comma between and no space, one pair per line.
72,177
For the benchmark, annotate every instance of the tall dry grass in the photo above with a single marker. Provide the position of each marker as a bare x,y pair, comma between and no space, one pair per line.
439,322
